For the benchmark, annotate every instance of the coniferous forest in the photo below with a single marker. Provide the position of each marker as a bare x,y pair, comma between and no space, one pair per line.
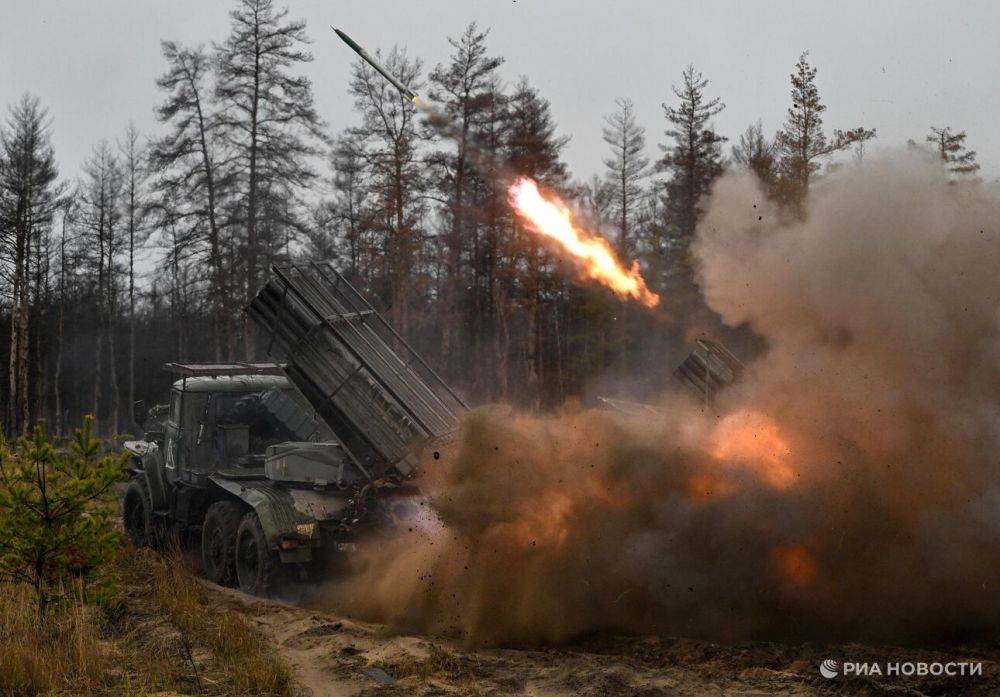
150,253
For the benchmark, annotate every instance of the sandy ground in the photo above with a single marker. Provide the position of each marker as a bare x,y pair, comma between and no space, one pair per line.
338,657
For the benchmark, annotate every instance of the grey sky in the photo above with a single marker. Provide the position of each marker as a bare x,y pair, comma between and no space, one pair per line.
895,66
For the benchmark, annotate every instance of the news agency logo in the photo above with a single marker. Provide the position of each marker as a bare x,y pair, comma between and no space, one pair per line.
830,668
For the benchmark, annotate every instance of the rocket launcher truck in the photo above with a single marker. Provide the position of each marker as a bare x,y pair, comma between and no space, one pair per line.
274,467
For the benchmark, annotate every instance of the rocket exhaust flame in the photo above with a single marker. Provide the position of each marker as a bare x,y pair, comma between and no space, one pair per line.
549,217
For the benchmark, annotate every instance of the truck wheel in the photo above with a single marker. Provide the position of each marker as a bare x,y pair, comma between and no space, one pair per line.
218,541
137,514
257,565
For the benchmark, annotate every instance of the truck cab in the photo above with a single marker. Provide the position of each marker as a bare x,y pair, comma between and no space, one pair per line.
218,422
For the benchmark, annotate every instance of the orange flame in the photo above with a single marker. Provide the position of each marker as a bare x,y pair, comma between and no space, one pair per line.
753,439
702,487
552,219
551,518
796,563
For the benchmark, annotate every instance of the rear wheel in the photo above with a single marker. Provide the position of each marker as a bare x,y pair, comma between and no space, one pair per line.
218,541
137,513
257,565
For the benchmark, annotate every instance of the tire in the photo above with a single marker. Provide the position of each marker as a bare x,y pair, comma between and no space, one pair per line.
218,542
137,513
258,568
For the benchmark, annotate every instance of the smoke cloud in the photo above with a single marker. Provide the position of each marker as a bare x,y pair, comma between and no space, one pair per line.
845,488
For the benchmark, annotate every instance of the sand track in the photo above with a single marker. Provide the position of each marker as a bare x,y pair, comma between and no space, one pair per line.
340,657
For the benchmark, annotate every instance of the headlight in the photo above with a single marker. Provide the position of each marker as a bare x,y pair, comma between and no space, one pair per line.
305,529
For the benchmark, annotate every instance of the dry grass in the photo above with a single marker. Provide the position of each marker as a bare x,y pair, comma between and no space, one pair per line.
438,663
70,653
240,655
162,632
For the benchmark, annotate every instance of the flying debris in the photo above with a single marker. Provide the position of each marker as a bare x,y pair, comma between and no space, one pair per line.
406,91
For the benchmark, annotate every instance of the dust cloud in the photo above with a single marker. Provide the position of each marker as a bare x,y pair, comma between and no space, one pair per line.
846,488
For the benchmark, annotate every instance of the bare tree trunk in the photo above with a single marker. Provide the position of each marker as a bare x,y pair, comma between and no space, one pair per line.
177,304
131,293
223,314
135,172
501,345
24,327
13,426
39,345
533,350
95,408
449,337
402,257
557,333
16,421
252,209
98,353
114,424
56,382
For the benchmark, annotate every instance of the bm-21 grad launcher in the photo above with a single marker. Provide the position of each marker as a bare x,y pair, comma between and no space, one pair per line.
378,396
279,466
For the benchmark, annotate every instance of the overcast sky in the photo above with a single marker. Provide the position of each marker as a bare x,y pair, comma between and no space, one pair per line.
895,66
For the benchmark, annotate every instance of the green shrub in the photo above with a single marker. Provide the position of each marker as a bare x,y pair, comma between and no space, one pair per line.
56,522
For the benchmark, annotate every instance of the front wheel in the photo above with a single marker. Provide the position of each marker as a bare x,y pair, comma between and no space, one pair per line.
257,565
137,513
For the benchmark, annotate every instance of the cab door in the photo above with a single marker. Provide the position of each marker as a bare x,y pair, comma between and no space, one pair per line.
172,445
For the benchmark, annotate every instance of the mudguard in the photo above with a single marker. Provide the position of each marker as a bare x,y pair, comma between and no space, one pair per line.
148,459
285,512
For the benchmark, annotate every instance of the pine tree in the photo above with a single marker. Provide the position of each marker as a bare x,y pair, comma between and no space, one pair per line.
626,169
493,257
694,159
465,89
191,179
29,197
692,162
64,261
135,169
756,153
270,122
597,199
802,142
533,150
56,522
951,148
100,244
391,139
340,232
